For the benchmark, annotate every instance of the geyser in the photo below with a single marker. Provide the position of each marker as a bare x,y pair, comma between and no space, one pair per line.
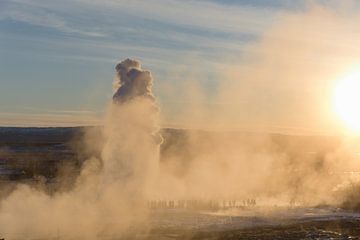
109,195
131,151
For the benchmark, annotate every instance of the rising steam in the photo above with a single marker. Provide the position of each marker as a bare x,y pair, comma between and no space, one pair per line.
111,192
109,196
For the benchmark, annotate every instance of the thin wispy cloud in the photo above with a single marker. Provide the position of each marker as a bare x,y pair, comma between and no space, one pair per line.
199,14
136,28
37,16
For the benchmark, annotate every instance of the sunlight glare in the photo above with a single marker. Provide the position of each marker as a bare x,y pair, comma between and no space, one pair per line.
347,100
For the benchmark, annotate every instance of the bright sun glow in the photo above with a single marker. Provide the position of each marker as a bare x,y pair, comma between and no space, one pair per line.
347,100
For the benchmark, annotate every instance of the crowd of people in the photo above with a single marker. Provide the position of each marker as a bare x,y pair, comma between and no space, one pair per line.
201,204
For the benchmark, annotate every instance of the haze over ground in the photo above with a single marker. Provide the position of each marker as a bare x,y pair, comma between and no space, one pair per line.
222,66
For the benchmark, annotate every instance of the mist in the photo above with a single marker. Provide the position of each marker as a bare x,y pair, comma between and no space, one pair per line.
109,197
110,194
282,84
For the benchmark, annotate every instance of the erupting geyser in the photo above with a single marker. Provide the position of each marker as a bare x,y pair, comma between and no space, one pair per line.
132,82
110,193
131,151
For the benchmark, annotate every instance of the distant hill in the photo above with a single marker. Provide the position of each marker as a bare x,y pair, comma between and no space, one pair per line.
54,135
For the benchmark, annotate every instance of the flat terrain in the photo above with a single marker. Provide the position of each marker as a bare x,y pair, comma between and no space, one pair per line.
284,224
41,154
329,229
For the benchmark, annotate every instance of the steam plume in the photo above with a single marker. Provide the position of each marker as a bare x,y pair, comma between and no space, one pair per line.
109,195
132,81
133,116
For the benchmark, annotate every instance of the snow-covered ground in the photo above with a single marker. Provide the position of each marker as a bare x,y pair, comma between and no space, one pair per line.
243,218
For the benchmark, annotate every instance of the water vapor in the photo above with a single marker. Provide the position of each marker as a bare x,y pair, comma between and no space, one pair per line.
126,170
109,196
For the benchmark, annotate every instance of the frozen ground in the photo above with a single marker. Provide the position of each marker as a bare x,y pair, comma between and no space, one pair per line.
246,224
256,223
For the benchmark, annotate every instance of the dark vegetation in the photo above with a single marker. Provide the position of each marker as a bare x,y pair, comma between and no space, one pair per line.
32,152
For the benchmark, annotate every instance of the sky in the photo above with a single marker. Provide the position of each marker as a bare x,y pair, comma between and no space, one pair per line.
57,59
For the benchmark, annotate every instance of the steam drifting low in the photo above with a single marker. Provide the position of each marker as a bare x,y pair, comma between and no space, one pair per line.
111,194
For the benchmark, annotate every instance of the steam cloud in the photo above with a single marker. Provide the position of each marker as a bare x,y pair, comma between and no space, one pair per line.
132,82
109,195
111,192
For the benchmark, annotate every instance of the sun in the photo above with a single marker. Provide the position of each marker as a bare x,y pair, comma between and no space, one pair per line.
347,100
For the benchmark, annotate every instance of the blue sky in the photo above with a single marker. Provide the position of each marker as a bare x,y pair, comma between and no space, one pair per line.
57,58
